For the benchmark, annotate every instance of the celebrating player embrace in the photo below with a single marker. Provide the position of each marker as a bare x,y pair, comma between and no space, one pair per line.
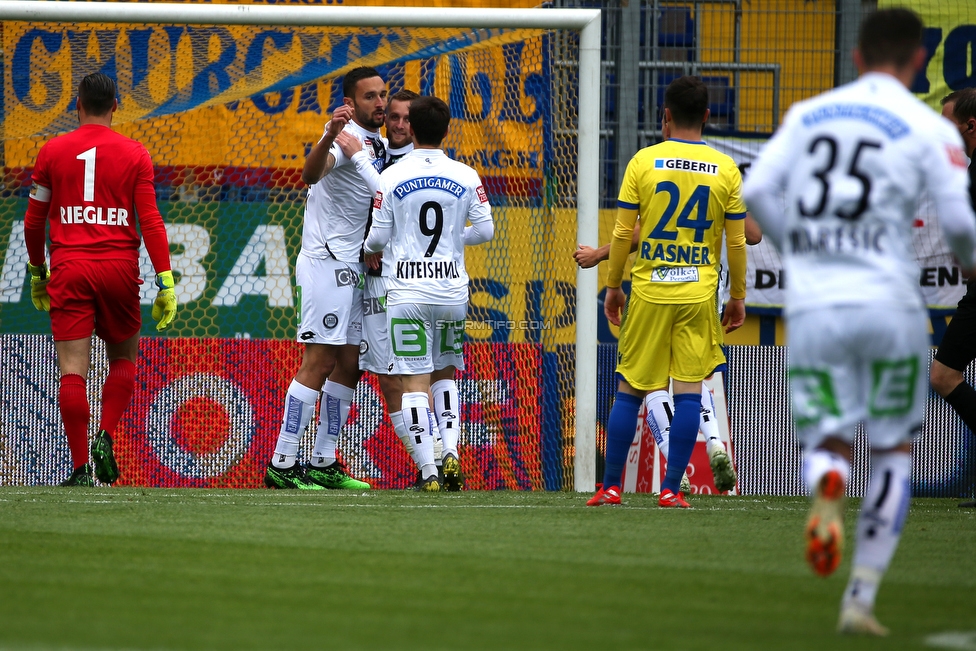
420,210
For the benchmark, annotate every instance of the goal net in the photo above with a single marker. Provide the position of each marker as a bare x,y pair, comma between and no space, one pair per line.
228,113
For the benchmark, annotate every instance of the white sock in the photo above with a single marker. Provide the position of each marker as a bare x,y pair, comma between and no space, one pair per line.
883,513
447,412
659,412
707,424
299,408
417,418
862,589
818,463
402,433
336,400
438,443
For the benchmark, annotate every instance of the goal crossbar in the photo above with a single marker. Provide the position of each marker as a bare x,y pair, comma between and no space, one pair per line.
585,21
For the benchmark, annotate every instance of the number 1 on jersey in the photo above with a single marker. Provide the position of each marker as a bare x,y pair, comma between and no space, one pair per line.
89,157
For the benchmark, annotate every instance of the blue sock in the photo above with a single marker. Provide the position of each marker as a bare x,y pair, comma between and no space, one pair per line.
684,433
621,427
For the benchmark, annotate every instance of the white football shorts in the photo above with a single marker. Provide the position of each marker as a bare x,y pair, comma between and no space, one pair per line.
330,298
858,363
426,337
376,351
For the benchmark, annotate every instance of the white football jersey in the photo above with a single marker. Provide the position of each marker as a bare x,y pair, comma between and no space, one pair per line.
428,198
337,206
851,164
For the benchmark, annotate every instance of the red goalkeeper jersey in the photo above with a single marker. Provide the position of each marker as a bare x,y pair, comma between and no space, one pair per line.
91,184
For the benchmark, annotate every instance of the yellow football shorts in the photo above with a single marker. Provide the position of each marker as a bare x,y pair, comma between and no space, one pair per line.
660,340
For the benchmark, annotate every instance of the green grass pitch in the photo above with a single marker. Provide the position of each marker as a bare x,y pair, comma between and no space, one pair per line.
152,569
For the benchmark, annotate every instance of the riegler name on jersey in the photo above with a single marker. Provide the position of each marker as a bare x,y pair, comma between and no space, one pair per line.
94,215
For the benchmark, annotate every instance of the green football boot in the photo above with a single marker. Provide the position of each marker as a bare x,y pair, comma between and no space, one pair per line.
293,477
82,476
334,476
106,469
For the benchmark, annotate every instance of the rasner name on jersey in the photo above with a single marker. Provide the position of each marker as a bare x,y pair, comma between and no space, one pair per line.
410,269
686,165
428,183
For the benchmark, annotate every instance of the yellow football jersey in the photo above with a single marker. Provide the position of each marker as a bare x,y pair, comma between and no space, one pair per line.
684,191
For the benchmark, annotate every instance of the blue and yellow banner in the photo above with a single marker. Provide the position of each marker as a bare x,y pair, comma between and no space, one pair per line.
950,41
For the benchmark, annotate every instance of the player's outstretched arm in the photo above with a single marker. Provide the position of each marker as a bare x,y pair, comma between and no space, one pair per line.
320,161
587,257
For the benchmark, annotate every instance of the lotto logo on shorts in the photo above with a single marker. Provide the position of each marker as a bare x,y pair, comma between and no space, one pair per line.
685,165
378,201
482,195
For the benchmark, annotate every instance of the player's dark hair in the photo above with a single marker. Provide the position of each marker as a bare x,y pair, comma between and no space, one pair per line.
353,77
890,37
403,96
687,99
429,118
963,104
97,93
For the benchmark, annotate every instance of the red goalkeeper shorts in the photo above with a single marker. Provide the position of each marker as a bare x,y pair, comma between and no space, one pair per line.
95,295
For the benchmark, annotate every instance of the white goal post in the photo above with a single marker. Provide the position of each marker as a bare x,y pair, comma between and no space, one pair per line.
585,21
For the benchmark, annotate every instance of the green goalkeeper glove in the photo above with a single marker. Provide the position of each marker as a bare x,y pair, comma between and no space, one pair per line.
39,278
164,308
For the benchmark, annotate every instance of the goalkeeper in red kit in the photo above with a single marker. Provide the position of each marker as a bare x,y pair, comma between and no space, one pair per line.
93,185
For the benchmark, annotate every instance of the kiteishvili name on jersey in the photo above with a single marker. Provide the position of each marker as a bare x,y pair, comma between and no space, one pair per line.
428,183
413,269
94,215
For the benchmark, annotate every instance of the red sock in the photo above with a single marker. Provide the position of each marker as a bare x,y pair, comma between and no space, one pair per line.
116,393
73,400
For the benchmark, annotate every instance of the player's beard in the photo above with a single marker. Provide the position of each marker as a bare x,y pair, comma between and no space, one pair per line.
368,120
